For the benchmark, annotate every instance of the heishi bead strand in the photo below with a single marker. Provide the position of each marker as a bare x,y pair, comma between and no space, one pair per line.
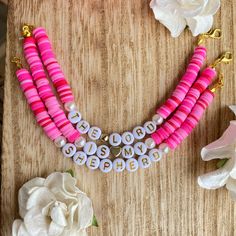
179,116
37,106
45,90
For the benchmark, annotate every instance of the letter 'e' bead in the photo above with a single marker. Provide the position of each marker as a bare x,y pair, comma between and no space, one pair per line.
131,165
118,165
94,133
105,165
69,150
93,162
80,158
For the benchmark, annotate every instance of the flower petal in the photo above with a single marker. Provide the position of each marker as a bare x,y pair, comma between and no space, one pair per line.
217,178
211,8
200,24
233,109
58,216
174,22
18,228
55,229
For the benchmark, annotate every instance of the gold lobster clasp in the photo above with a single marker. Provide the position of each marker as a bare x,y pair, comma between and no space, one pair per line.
226,58
17,61
213,33
27,30
219,83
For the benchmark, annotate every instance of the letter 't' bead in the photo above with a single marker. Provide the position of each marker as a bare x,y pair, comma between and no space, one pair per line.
157,119
105,165
118,165
69,150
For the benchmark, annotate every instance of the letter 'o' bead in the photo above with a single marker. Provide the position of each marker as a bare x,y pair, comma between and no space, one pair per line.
150,127
69,150
140,148
139,132
93,162
90,148
60,141
74,117
144,161
80,158
157,119
80,142
103,151
131,165
105,165
70,106
115,139
164,148
127,151
150,143
118,165
127,138
94,133
83,126
155,155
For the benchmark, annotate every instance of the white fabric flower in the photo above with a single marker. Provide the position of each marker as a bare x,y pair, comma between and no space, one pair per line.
223,148
177,14
53,207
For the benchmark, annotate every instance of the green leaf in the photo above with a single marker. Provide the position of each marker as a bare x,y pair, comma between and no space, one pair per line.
71,172
94,221
221,163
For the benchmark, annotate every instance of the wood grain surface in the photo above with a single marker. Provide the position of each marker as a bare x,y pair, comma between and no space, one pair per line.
121,64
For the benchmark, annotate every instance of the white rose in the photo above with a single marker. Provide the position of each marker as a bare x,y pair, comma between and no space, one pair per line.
177,14
222,148
53,207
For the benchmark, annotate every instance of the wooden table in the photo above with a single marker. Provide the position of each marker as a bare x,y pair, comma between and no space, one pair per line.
121,64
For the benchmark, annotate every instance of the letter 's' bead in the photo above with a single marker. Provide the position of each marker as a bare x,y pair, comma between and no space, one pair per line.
70,106
118,165
103,151
74,116
93,162
144,161
60,141
127,151
140,148
83,126
131,165
164,148
90,148
105,165
155,155
150,127
69,150
157,119
150,143
80,142
80,158
94,133
127,138
115,139
139,132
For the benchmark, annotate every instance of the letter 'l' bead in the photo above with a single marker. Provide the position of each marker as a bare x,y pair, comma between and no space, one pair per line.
60,141
127,138
164,148
139,132
90,148
69,150
93,162
157,119
105,165
115,139
118,165
80,142
144,161
80,158
150,127
131,165
74,117
103,151
94,133
155,155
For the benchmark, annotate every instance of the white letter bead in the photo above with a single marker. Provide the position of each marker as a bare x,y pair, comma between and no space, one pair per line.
157,119
127,151
131,165
80,142
90,148
93,162
155,155
105,165
139,132
140,148
144,161
127,138
69,150
94,133
103,151
80,158
115,139
118,165
83,126
150,143
74,117
150,127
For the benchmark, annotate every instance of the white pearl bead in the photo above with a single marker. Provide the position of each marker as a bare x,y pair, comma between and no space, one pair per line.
164,148
93,162
140,148
70,106
60,141
105,165
90,148
144,161
74,116
131,165
139,132
115,139
83,126
127,151
155,155
80,158
150,143
127,138
80,142
118,165
150,127
157,119
103,151
94,133
69,150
